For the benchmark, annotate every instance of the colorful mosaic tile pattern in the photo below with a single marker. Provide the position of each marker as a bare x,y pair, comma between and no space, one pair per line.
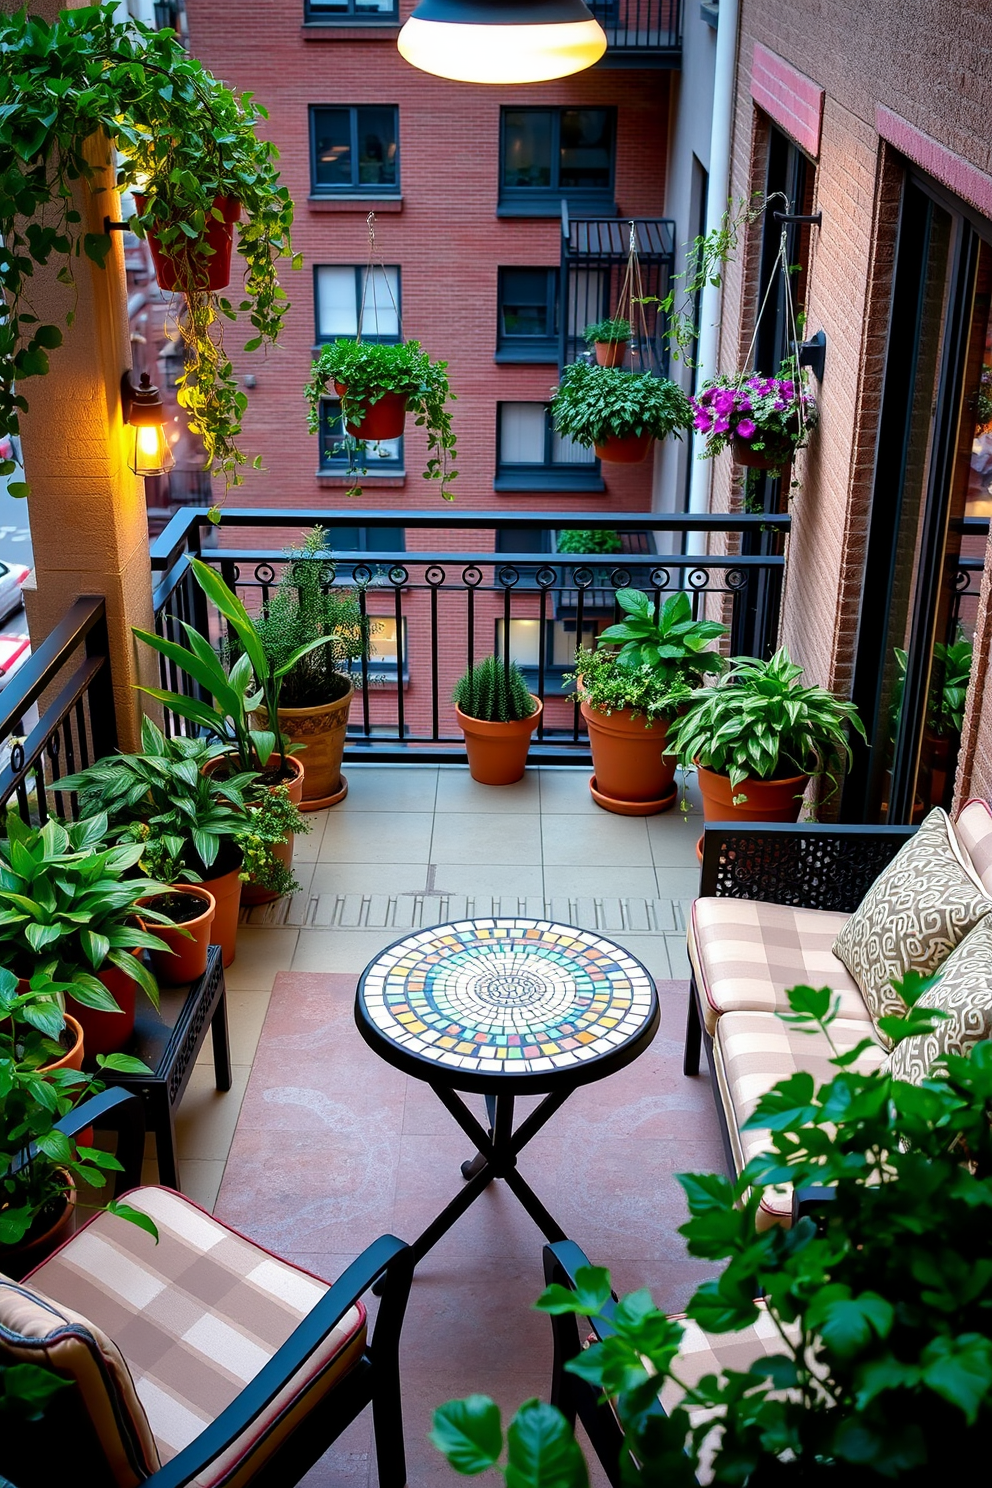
507,996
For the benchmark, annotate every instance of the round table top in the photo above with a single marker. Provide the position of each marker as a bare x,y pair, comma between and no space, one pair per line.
512,1004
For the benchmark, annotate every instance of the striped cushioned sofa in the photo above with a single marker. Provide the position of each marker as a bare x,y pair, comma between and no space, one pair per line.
772,900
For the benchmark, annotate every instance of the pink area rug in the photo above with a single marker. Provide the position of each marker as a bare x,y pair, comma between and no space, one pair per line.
334,1147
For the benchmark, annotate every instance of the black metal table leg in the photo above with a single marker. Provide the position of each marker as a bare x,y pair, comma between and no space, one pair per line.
221,1042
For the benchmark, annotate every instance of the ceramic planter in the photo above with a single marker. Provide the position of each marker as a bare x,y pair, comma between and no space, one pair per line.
186,958
108,1033
212,273
633,776
250,893
497,752
17,1260
767,800
73,1057
225,890
631,449
383,419
610,353
322,730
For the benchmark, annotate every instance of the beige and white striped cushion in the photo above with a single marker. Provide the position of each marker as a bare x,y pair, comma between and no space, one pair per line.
964,992
973,828
746,955
752,1052
196,1317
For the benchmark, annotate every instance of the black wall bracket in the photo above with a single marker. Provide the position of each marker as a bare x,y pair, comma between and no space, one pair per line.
813,354
815,219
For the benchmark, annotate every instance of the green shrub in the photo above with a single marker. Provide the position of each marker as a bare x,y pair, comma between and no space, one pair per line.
613,328
493,692
589,540
591,404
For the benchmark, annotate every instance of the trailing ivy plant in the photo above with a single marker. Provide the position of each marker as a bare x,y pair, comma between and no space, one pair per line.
594,404
182,139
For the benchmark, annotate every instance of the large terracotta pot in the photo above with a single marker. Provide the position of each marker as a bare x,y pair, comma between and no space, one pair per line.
383,419
226,892
212,273
610,353
251,893
767,800
322,730
633,774
108,1033
17,1260
497,752
630,450
186,958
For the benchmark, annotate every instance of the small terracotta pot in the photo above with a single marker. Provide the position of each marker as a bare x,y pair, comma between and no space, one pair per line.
73,1059
630,450
108,1033
767,800
383,419
225,891
497,752
322,729
250,893
186,959
17,1260
212,273
610,353
634,776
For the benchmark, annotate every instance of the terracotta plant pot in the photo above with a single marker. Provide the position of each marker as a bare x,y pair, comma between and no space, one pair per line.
212,273
108,1033
225,890
633,774
250,893
767,800
322,729
73,1058
186,959
383,419
497,752
630,450
610,353
17,1260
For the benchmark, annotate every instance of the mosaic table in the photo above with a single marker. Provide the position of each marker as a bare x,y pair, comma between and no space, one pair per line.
504,1007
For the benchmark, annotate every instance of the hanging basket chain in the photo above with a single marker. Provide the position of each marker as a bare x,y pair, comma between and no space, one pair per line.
370,267
631,294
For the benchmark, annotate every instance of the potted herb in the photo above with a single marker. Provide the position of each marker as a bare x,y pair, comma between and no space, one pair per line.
589,540
618,413
70,908
609,339
497,713
757,738
267,844
630,695
764,419
307,606
191,148
378,385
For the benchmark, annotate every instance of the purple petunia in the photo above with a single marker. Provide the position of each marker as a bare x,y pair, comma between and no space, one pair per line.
746,428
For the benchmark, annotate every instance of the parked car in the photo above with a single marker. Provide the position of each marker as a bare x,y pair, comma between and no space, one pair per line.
12,576
14,652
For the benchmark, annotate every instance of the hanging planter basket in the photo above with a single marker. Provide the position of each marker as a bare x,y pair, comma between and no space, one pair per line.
383,419
772,457
610,353
625,449
174,266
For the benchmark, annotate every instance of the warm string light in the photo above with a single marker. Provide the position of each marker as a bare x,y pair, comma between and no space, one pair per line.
502,41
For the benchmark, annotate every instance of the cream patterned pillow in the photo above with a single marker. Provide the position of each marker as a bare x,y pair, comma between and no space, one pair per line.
912,917
964,992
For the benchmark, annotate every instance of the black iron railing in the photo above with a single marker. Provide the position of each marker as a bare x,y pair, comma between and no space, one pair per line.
648,29
595,252
436,609
76,725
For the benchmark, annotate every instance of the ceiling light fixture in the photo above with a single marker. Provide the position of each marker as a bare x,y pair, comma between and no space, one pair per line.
502,41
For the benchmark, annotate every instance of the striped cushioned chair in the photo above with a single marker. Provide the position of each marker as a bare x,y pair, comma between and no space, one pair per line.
200,1359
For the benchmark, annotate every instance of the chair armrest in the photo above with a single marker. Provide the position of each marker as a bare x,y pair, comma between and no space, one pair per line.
385,1255
803,864
120,1111
808,1202
561,1262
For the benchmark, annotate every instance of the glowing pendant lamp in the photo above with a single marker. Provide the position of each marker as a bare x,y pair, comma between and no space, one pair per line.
502,41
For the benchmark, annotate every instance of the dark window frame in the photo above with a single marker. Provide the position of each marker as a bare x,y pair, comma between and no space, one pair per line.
554,670
548,476
355,188
315,14
545,201
534,349
368,333
345,465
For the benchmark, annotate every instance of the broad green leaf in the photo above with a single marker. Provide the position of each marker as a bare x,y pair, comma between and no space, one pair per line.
542,1451
468,1433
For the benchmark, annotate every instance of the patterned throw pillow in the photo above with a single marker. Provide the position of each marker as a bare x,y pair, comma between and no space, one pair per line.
912,917
964,991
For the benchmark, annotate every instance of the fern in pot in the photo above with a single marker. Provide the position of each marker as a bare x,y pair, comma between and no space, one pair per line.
618,413
497,714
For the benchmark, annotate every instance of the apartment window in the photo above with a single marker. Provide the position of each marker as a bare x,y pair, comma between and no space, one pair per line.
354,150
384,652
345,294
527,326
350,12
338,454
367,539
547,154
532,457
560,646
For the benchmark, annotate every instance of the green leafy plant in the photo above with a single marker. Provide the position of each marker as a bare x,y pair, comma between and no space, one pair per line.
705,259
77,93
948,687
38,1163
31,1018
270,821
593,404
883,1302
492,691
755,722
589,540
613,328
69,908
307,607
366,370
183,818
981,401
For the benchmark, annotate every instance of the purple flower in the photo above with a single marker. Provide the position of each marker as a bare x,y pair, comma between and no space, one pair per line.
724,403
703,422
721,426
746,428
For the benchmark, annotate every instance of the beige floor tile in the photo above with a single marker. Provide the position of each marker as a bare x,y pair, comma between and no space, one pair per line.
307,846
201,1179
457,791
378,837
650,950
673,838
245,1016
481,880
565,790
485,837
368,878
678,957
340,950
581,881
389,788
262,951
679,883
602,841
207,1117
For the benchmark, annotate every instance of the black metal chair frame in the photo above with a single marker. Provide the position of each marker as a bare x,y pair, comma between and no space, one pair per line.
805,865
373,1380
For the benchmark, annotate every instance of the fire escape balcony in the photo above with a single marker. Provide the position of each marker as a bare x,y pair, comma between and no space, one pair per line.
640,33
